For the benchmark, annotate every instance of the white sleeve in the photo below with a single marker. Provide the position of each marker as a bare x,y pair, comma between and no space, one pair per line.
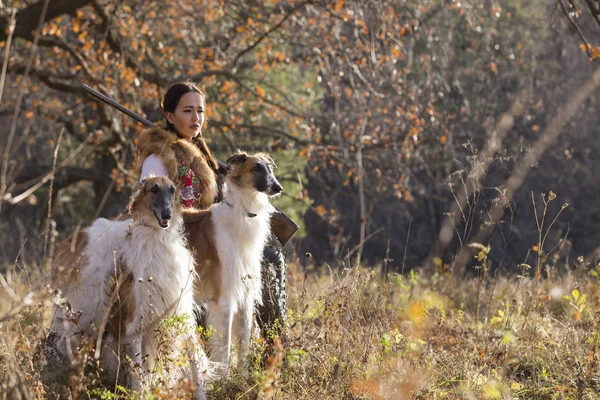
153,165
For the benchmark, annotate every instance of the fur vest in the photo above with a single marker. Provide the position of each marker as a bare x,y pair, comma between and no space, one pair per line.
171,148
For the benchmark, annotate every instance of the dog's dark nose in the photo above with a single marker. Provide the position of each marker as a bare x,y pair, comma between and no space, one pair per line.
276,188
166,215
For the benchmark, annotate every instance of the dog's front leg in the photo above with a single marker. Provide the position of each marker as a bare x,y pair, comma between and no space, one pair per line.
68,341
244,330
220,317
198,366
135,352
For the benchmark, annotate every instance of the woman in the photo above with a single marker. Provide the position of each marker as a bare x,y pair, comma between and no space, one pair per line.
179,151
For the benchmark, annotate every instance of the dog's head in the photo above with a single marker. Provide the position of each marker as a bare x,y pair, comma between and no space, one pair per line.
154,203
254,171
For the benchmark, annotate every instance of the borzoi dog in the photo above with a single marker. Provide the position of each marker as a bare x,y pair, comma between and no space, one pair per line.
228,241
155,274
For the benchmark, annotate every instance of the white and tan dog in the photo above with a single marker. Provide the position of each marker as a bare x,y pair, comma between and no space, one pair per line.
156,276
228,240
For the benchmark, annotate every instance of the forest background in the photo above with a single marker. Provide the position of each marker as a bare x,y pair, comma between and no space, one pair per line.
440,156
380,116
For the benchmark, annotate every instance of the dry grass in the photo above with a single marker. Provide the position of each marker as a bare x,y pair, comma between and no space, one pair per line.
351,334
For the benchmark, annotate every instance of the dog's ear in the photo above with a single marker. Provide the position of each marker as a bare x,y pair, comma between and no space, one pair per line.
224,168
144,181
273,165
137,194
237,158
266,158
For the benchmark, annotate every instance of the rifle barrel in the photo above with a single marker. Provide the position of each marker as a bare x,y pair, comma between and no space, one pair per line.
116,105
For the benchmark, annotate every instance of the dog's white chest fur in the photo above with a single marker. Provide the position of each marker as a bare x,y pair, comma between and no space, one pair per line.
239,241
160,263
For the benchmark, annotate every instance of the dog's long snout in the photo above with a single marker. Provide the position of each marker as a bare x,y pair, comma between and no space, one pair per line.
162,204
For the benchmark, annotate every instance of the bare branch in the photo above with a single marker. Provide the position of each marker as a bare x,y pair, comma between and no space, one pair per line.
29,17
361,189
13,127
586,43
268,32
113,39
60,82
260,131
43,179
266,99
11,30
63,177
48,224
61,43
594,7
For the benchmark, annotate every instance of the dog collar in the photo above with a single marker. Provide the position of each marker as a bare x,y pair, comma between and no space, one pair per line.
248,214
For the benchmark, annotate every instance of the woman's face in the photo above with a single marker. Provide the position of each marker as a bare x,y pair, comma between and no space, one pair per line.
189,116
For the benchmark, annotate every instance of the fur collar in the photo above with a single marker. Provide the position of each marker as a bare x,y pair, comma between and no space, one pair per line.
170,148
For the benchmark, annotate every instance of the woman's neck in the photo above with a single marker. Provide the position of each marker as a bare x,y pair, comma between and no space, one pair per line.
179,135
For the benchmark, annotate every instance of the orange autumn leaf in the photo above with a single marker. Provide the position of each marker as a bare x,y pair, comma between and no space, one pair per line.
227,87
321,210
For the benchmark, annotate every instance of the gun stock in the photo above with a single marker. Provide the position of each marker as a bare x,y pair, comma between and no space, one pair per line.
281,225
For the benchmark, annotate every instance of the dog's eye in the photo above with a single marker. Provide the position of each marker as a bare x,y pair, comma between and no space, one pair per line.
172,189
257,167
155,189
